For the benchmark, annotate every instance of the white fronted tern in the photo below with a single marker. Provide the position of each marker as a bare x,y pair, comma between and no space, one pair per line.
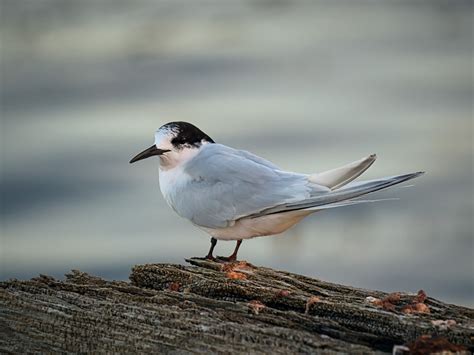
234,195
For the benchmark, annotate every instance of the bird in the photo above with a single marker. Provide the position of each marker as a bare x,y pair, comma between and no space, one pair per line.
233,194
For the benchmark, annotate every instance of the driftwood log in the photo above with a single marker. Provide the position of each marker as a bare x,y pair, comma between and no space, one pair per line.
222,308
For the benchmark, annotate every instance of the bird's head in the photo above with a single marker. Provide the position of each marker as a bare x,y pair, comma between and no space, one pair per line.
175,142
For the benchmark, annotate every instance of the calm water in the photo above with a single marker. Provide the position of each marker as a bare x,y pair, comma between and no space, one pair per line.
308,85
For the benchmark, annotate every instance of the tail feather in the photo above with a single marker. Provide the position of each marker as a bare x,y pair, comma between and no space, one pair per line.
338,177
337,198
348,203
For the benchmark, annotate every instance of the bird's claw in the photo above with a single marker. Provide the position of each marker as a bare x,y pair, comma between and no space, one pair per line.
226,259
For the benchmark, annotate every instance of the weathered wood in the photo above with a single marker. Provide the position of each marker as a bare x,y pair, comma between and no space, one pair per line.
217,308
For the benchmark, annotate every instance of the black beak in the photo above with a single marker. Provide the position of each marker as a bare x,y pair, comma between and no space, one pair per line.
153,150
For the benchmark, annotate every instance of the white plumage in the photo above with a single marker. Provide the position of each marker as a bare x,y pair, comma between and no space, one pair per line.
234,195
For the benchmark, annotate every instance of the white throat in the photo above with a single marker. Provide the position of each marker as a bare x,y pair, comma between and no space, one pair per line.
171,171
174,158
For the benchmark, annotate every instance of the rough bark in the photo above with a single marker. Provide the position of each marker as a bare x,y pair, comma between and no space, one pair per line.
218,308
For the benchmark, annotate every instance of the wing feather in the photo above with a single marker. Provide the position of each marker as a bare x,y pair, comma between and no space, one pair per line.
224,184
349,192
341,176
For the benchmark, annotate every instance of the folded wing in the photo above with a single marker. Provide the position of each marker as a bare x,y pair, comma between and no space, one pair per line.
223,185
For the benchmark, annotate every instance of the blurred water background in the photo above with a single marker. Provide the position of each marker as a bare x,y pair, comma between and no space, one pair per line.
309,85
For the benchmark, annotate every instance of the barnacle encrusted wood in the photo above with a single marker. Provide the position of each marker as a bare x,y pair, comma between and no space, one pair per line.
217,308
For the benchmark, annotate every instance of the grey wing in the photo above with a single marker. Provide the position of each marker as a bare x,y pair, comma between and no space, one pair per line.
225,184
257,159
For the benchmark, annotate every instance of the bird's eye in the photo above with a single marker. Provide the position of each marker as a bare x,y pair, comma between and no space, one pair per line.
178,141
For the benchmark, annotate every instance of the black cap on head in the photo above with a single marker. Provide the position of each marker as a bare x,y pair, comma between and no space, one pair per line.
186,134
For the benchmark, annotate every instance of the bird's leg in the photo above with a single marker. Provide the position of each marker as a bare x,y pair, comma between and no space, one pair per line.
209,255
233,257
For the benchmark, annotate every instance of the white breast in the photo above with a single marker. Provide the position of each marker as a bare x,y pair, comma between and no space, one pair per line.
172,175
171,181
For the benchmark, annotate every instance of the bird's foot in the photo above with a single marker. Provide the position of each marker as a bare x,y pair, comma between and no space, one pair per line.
226,259
207,257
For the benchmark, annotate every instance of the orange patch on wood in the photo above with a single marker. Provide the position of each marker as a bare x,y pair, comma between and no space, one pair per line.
416,308
390,302
283,293
233,275
256,306
420,297
312,300
374,301
238,265
422,308
417,305
393,298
